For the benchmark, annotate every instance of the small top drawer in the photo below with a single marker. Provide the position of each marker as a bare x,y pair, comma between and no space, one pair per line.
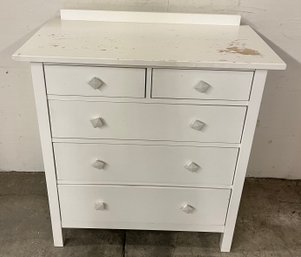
201,84
95,81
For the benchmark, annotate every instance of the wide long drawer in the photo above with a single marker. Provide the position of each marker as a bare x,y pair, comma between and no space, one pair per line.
201,84
79,119
144,164
95,81
142,207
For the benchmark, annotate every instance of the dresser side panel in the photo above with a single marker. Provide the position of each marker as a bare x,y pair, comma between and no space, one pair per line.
47,150
243,159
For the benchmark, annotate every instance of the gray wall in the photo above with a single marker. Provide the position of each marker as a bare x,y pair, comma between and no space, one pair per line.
277,145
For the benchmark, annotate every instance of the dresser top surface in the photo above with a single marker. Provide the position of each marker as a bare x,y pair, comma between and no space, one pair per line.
149,44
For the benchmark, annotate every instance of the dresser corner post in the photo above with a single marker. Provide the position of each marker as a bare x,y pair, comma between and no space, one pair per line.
243,159
39,86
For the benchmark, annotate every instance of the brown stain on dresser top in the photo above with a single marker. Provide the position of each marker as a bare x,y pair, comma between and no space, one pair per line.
238,50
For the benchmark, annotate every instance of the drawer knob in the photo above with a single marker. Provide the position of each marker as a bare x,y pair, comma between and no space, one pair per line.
187,208
97,122
100,205
202,87
98,164
96,83
192,166
198,125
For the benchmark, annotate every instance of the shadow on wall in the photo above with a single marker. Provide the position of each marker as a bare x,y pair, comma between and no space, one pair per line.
277,142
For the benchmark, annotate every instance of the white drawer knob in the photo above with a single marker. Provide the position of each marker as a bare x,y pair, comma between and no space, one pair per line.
187,208
202,87
100,205
96,83
198,125
97,122
192,166
98,164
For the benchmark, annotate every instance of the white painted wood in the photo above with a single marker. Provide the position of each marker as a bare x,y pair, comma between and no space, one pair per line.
144,164
148,85
92,183
71,119
149,44
149,100
171,140
74,80
142,207
242,163
222,85
150,17
48,157
114,141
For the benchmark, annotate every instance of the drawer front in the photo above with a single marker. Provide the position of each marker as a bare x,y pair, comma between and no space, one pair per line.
196,84
77,119
133,207
145,164
95,81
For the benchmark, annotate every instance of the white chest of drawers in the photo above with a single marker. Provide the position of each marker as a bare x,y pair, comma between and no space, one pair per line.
146,119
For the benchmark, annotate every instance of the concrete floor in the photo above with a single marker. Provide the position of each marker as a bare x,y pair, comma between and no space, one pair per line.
269,225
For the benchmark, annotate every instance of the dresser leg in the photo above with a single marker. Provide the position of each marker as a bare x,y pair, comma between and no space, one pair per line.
226,242
58,239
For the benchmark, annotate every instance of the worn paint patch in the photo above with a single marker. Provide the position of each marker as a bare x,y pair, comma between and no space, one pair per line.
239,50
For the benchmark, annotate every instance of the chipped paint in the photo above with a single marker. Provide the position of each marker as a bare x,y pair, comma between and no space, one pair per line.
238,50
